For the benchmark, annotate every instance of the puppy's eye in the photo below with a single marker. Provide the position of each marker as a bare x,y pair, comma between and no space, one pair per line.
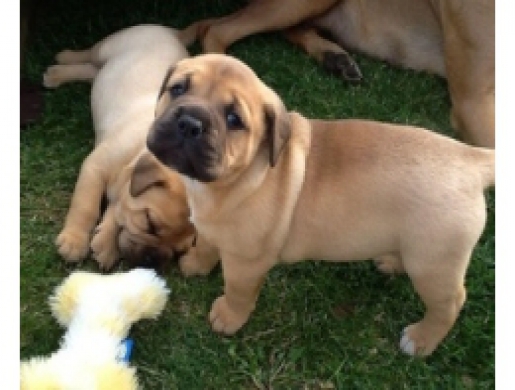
234,122
151,227
178,89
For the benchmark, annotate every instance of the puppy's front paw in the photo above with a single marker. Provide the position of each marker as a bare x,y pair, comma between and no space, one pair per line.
72,245
224,319
104,248
190,265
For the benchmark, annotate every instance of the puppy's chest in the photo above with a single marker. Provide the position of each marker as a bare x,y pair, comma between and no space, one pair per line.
206,223
233,231
205,208
202,216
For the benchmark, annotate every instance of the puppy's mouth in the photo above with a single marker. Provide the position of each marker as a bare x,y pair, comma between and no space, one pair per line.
184,139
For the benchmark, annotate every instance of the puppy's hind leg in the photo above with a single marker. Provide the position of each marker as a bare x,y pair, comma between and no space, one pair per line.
436,258
68,57
73,65
389,264
56,75
440,284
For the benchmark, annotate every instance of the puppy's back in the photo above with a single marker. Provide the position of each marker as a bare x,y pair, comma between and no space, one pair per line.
133,63
140,38
377,181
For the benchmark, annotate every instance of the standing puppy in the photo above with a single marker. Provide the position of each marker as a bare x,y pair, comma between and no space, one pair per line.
126,69
452,38
267,186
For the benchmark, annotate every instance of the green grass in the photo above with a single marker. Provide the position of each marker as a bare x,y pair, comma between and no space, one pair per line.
317,325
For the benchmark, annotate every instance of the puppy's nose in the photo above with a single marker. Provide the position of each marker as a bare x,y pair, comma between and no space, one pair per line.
189,126
150,260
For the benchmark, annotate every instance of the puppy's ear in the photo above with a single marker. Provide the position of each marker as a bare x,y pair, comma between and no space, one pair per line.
146,173
278,129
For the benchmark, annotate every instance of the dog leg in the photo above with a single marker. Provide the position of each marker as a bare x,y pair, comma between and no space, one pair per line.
243,280
332,57
194,31
389,264
260,16
474,119
73,241
440,284
103,244
70,57
56,75
469,44
200,259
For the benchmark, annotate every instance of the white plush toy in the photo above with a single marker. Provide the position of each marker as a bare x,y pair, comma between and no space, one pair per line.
98,311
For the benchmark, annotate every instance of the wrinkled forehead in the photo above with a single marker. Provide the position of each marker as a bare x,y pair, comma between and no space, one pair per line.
215,74
217,66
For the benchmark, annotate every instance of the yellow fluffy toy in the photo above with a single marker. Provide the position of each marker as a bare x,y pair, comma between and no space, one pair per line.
97,311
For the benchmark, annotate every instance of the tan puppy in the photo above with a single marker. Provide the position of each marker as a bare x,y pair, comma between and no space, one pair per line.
127,69
267,186
452,38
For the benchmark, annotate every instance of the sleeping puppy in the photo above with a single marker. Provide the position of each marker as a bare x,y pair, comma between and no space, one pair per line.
452,38
127,69
267,186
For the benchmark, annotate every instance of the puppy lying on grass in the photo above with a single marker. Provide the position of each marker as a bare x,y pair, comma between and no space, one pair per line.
126,69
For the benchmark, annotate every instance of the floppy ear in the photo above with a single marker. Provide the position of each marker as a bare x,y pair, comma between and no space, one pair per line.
146,173
278,129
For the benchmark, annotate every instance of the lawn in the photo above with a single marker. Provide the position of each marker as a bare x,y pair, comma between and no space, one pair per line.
317,325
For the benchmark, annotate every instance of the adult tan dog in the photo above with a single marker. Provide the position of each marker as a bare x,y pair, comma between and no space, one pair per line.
127,69
267,186
452,38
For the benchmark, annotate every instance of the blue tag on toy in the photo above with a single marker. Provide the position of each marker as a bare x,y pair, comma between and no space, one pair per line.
125,350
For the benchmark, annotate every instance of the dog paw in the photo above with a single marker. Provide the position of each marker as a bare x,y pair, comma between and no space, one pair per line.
416,342
389,264
52,77
72,245
104,249
342,64
190,265
224,319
